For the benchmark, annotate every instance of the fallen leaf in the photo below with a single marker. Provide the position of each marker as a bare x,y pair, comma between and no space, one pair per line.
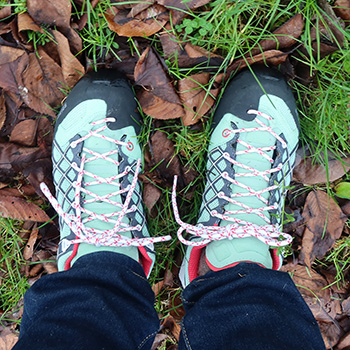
2,110
157,287
197,101
19,209
146,23
158,341
5,10
28,249
8,339
274,57
24,132
42,81
344,343
183,5
170,323
151,195
309,173
72,69
84,18
22,191
149,72
324,223
159,98
49,266
284,37
9,54
342,190
342,10
50,12
25,22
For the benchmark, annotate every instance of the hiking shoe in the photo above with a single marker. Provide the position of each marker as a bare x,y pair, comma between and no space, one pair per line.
250,161
96,160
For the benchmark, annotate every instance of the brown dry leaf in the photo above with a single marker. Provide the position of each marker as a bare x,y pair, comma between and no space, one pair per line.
274,57
312,287
42,81
310,174
25,22
162,150
24,132
5,11
324,223
72,69
9,54
146,23
285,36
342,10
19,209
2,110
29,247
44,255
158,287
151,195
22,191
158,341
170,323
8,339
84,18
159,98
197,101
344,343
183,5
51,12
149,72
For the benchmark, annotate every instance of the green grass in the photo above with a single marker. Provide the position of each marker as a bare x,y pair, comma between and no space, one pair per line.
13,282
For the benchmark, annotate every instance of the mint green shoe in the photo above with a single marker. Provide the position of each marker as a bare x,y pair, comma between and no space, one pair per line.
250,163
96,161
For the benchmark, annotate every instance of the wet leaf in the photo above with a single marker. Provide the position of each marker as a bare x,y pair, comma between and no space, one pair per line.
151,195
170,323
159,98
196,100
324,223
19,209
28,249
24,133
310,174
51,12
146,23
183,5
25,22
8,339
42,81
72,69
285,36
9,54
342,10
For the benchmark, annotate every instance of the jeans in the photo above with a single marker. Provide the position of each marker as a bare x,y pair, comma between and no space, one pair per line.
105,302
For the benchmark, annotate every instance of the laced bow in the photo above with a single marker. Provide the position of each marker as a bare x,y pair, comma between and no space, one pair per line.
111,237
269,234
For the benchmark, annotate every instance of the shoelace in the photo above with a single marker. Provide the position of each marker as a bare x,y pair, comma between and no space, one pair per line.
75,222
269,234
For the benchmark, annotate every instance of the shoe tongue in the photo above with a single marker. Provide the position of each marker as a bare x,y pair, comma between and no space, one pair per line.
254,160
104,169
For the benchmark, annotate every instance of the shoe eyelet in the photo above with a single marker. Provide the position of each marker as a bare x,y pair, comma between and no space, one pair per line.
226,133
130,146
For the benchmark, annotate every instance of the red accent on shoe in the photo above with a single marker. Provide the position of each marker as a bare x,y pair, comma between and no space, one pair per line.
145,260
213,268
275,259
69,260
193,262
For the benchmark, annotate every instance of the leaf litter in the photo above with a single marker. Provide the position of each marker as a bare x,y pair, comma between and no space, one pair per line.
34,82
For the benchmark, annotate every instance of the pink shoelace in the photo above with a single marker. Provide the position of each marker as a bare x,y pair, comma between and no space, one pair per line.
111,237
269,234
